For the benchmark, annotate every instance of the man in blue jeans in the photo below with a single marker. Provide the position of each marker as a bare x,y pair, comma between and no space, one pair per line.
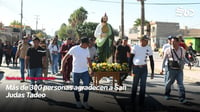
35,58
175,55
139,60
165,69
21,53
81,60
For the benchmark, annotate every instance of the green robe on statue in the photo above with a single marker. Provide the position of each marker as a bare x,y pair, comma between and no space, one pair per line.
105,42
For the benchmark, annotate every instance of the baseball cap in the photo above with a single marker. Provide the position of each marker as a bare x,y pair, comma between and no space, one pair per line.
84,40
36,38
125,38
170,37
24,37
144,37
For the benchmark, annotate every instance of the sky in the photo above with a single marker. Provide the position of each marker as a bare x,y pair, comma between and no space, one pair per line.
52,13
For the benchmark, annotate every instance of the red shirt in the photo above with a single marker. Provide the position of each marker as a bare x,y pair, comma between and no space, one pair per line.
182,44
65,47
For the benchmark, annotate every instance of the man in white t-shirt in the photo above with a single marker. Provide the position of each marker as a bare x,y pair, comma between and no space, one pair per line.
139,55
81,60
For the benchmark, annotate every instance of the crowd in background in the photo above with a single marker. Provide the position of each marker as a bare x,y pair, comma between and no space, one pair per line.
56,49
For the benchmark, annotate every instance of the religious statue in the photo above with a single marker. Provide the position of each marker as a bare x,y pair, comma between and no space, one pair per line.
104,40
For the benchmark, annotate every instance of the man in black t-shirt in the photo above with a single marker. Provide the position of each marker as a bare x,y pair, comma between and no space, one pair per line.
35,59
122,55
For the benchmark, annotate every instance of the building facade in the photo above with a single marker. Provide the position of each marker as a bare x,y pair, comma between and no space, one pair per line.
160,31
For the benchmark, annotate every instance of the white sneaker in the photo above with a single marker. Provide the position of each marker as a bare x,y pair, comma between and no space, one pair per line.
78,104
68,82
86,106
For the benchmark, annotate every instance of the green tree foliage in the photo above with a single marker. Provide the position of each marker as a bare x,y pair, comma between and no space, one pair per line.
138,22
116,32
15,22
78,17
86,29
1,25
62,32
71,32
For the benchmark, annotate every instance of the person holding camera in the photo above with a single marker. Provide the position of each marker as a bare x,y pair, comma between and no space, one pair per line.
175,55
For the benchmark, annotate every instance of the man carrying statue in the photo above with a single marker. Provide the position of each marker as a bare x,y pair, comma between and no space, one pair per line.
104,40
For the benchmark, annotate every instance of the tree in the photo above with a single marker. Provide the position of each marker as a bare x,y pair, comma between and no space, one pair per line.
78,17
71,32
15,22
62,32
138,22
86,29
1,25
116,32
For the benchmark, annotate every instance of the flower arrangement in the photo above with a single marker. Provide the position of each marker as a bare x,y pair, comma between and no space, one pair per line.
110,67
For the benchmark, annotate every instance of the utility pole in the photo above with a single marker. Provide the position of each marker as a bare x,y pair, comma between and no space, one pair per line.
142,17
122,18
37,18
20,37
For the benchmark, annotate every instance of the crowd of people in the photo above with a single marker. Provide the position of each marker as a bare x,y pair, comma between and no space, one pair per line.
8,50
70,58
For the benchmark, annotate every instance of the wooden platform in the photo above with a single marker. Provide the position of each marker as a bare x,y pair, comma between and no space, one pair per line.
115,75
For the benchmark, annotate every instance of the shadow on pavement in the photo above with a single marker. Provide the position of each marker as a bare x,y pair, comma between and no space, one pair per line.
195,84
123,99
151,105
58,103
179,109
67,105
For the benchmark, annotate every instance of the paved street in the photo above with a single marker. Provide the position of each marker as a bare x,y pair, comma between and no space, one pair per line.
101,101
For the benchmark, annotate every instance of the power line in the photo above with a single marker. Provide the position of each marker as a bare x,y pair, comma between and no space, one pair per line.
136,3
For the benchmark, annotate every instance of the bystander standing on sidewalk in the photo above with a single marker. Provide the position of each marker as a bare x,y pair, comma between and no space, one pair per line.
81,60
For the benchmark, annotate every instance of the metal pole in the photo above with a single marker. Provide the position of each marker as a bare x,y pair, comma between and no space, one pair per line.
142,17
20,37
37,17
122,19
